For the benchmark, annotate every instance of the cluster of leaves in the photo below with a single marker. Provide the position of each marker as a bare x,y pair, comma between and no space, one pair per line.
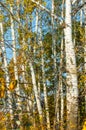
2,87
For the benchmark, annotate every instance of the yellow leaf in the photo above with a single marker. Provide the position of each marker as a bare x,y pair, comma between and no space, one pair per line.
2,87
13,85
2,80
1,18
84,126
2,94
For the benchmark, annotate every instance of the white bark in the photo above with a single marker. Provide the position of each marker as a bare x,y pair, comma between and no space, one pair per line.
39,86
29,103
45,96
85,50
23,66
54,47
36,28
14,49
57,116
81,14
61,86
74,1
5,68
53,42
71,78
60,75
36,91
56,122
15,58
17,89
44,8
43,74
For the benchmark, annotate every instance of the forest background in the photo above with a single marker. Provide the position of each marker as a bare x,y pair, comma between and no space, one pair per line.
42,64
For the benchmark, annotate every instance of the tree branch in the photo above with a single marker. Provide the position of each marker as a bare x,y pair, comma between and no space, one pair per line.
78,8
44,8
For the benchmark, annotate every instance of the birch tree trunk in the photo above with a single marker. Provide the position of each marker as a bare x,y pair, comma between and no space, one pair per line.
8,104
81,14
43,72
36,92
23,66
60,75
71,78
18,101
36,30
35,88
45,89
57,94
45,96
54,45
85,50
61,87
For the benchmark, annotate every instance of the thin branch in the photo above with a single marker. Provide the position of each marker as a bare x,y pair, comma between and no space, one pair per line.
78,8
3,5
44,8
23,96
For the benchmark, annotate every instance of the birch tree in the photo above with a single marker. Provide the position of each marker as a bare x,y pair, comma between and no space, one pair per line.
36,92
55,67
8,104
43,75
45,53
18,101
60,74
71,78
23,56
54,44
85,48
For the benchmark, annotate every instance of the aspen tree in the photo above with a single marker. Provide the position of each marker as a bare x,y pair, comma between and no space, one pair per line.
71,78
43,75
18,101
8,104
60,76
85,49
36,92
56,121
23,66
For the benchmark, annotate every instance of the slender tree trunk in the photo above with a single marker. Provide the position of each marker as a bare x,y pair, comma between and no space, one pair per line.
36,92
23,66
71,78
39,86
18,101
85,50
43,74
54,45
81,14
8,103
44,84
45,95
57,91
60,75
61,86
57,116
